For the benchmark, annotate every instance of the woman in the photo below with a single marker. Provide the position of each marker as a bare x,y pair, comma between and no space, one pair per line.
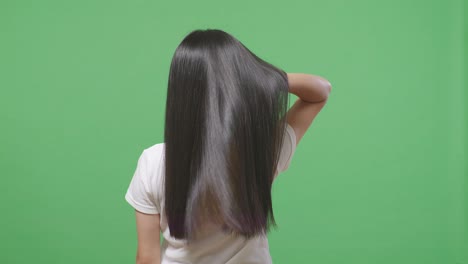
228,134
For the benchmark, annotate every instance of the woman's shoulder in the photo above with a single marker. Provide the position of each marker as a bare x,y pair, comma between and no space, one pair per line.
155,167
155,150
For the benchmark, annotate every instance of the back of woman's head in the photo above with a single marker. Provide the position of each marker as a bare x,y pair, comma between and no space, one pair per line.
224,126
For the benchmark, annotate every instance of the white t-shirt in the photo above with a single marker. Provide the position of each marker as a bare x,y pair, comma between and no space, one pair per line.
146,194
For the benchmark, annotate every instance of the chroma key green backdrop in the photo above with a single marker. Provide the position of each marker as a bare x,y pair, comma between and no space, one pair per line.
380,177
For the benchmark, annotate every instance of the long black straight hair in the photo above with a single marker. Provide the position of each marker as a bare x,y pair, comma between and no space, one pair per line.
224,125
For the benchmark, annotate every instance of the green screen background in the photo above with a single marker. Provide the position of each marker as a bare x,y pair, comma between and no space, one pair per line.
380,177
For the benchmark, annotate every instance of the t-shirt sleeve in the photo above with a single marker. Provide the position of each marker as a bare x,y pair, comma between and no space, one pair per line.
288,149
138,194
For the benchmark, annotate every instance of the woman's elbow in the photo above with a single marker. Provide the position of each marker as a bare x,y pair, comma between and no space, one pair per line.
148,260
